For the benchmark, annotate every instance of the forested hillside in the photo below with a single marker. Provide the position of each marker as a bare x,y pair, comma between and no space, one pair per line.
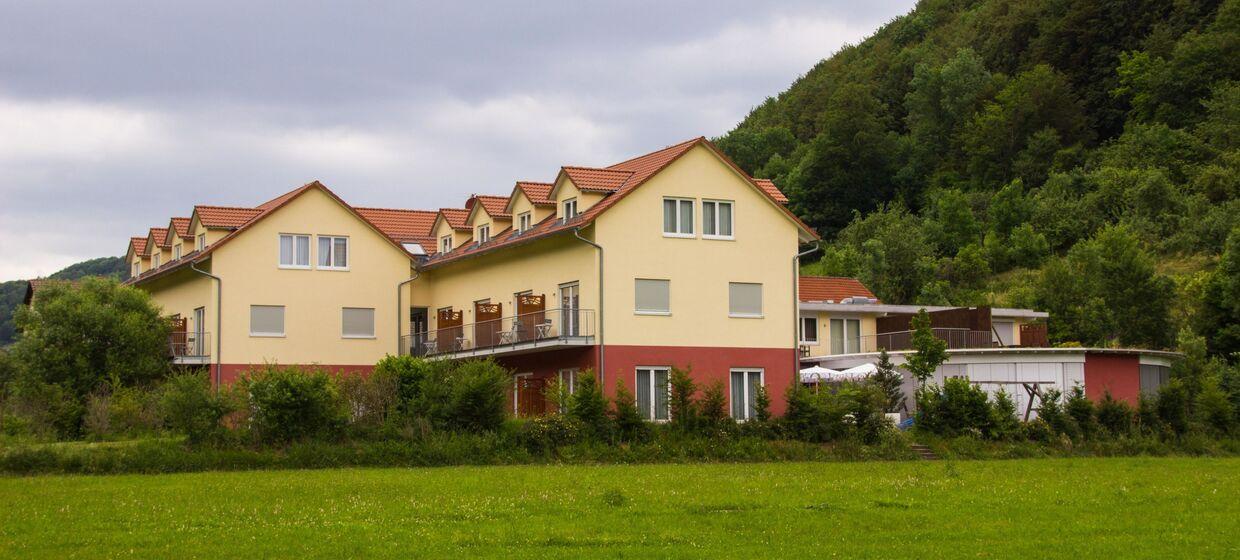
1082,158
12,292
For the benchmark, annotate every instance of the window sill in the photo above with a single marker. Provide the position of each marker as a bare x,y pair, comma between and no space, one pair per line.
347,337
654,313
291,267
679,235
719,237
334,268
744,316
809,343
266,335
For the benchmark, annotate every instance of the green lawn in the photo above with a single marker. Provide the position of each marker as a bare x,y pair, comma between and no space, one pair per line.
1079,508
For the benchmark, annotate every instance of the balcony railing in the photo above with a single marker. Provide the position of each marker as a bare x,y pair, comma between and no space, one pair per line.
553,327
189,345
903,340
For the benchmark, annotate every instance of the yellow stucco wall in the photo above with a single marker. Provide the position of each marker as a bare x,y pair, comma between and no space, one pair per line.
564,189
442,229
699,270
522,204
179,293
869,326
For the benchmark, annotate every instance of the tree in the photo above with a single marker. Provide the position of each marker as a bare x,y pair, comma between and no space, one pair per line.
628,420
887,379
588,406
930,351
1220,321
682,403
78,335
887,250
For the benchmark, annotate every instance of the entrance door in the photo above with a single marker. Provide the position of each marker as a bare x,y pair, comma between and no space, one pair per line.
528,396
419,323
487,317
448,337
531,314
570,309
196,348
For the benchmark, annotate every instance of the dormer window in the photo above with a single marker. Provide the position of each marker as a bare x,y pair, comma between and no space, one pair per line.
176,252
569,209
155,260
136,269
445,244
484,234
201,243
524,222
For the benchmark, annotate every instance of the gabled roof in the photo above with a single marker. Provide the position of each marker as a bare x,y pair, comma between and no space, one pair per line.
405,226
160,235
637,170
539,194
589,179
227,217
495,205
137,246
831,288
180,228
457,218
769,187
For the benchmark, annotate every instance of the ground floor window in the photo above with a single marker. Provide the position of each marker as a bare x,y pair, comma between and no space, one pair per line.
652,392
745,384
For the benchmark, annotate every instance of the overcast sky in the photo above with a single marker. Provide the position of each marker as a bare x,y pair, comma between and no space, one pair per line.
115,116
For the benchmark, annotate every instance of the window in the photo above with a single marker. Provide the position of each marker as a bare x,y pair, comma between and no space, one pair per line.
716,219
570,209
201,243
845,336
652,297
678,217
294,251
357,322
745,384
135,270
333,252
568,380
155,260
445,244
652,393
484,234
266,320
744,300
524,222
809,330
176,252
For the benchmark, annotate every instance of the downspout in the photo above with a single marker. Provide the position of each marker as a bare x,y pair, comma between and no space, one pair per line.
602,371
219,313
399,314
796,311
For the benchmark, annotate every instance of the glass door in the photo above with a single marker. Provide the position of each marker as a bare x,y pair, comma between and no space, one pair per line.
570,307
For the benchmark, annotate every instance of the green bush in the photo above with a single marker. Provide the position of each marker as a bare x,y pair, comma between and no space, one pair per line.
588,406
407,373
371,401
1172,406
189,406
1081,409
291,403
630,427
1004,424
956,408
714,407
817,415
1115,416
546,434
1057,419
471,395
121,411
682,403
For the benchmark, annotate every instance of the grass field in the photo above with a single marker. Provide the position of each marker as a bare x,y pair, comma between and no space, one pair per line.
1154,508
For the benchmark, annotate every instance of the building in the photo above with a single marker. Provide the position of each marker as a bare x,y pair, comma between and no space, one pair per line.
843,326
676,258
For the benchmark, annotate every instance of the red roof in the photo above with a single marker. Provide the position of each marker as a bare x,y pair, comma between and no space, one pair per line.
181,226
592,179
831,288
495,205
768,186
538,193
228,217
406,226
139,245
455,217
161,237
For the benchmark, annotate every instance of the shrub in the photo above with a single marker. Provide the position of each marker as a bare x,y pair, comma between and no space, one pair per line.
1214,408
470,396
407,373
370,401
681,404
1115,416
1003,421
816,415
761,404
1173,402
588,406
1147,413
1081,409
956,408
891,383
291,403
188,406
714,406
630,427
545,434
45,410
867,404
1057,419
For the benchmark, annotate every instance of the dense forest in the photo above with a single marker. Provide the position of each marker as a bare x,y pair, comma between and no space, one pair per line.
1081,158
12,292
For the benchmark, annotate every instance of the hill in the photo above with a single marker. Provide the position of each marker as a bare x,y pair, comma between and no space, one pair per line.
12,292
1079,157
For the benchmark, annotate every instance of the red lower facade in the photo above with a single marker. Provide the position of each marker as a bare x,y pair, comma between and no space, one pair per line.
1120,375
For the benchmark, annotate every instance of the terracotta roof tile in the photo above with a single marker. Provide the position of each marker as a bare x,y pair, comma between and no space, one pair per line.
455,217
161,237
139,245
592,179
769,187
181,226
226,217
831,288
538,193
495,205
405,226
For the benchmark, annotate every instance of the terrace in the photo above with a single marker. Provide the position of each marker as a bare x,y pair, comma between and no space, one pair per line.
501,336
189,348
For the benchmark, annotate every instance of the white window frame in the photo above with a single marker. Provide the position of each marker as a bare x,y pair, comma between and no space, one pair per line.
373,318
331,257
136,269
761,303
154,260
569,208
283,323
748,397
568,378
483,233
856,344
650,414
201,242
801,329
176,252
445,244
655,312
524,222
731,216
691,234
295,237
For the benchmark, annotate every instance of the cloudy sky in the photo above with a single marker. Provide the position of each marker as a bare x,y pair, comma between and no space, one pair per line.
115,116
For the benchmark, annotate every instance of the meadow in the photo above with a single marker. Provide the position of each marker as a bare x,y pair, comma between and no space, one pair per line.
1035,508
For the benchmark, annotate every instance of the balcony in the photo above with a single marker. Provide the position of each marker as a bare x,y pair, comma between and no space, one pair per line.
518,334
903,340
189,348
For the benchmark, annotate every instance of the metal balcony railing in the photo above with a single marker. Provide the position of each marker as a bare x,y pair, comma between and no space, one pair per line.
903,340
529,330
189,345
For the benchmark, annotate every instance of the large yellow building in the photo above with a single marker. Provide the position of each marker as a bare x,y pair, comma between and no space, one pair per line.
676,258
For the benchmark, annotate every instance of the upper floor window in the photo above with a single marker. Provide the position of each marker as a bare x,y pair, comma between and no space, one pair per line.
717,219
678,217
136,269
845,336
357,322
570,209
445,244
652,297
294,251
484,233
201,243
266,320
744,299
333,252
155,260
176,252
524,222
